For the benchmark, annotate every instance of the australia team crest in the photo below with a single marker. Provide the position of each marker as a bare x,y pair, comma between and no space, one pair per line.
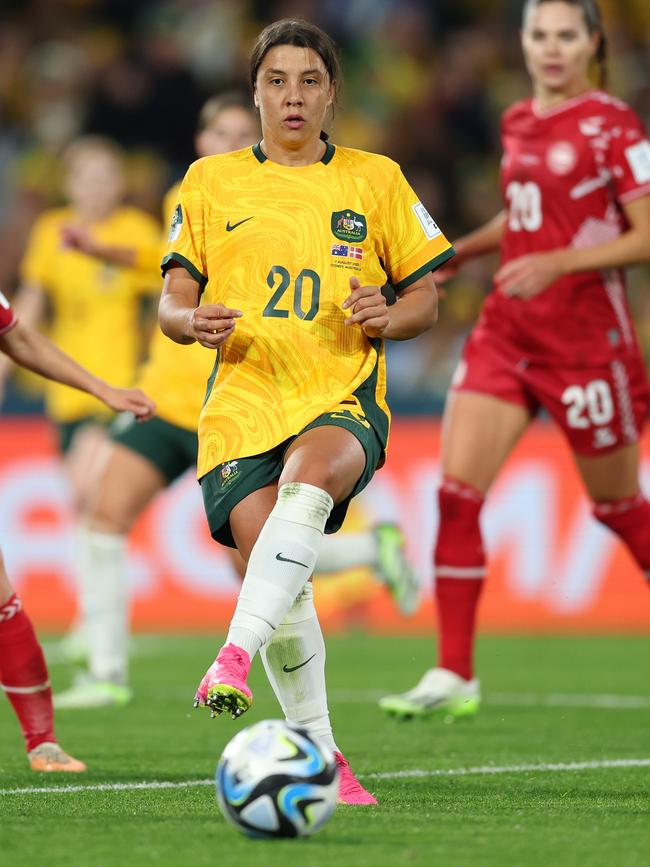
349,226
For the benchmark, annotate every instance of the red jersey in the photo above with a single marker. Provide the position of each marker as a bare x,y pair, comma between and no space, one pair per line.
565,174
7,316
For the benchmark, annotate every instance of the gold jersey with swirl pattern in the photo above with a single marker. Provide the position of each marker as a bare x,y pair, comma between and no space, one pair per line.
175,376
281,243
95,305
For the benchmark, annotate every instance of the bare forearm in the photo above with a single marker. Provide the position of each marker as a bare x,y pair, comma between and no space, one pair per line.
631,248
484,240
32,350
412,314
174,316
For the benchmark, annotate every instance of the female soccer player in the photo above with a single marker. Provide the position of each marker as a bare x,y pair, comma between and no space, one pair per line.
554,333
289,242
143,459
23,673
93,305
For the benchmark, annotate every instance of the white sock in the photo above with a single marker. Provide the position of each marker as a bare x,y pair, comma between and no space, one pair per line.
281,562
346,551
298,644
104,603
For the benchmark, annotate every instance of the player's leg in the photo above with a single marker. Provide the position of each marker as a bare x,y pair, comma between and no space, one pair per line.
612,481
25,680
602,411
143,459
321,467
294,657
478,433
128,483
381,548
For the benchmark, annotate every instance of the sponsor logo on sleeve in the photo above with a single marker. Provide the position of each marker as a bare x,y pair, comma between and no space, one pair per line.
429,225
177,224
638,158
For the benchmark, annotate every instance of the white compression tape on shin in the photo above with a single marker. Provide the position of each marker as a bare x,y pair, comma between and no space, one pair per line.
281,562
294,660
105,603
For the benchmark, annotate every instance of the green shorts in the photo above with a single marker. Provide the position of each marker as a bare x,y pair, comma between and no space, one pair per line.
170,448
229,483
67,430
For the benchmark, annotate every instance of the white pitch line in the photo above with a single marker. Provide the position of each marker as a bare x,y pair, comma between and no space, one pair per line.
511,769
603,701
417,773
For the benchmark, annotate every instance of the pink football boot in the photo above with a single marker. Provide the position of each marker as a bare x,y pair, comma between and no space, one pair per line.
224,686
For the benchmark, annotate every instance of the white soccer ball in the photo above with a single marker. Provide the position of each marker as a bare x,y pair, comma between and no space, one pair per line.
275,780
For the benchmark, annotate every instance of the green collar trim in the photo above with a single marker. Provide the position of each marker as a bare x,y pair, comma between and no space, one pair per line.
330,150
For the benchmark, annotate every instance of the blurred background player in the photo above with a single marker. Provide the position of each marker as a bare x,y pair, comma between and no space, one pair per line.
23,672
144,459
555,332
94,308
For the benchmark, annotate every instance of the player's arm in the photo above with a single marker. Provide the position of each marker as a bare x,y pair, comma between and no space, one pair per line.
144,257
415,311
528,275
183,320
29,305
31,349
480,242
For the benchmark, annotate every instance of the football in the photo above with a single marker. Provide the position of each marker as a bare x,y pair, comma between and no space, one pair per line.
275,780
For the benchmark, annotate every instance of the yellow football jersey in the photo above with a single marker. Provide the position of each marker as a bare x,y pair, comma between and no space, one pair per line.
175,376
281,243
94,305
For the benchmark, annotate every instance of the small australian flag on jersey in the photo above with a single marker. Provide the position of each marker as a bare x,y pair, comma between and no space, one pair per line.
340,249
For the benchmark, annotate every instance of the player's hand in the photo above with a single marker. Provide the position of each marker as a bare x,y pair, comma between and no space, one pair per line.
529,275
128,400
74,237
212,324
368,307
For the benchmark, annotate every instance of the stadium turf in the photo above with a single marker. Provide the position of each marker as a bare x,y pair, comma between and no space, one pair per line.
507,798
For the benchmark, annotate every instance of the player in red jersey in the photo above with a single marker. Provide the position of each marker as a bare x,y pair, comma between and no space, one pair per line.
555,332
23,672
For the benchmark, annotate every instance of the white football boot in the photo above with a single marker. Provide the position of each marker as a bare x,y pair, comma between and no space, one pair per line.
439,691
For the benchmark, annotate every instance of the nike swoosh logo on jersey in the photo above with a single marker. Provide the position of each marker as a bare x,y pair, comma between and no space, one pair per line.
229,228
289,560
290,668
365,423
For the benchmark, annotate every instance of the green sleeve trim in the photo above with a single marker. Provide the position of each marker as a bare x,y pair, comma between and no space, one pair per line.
194,271
431,265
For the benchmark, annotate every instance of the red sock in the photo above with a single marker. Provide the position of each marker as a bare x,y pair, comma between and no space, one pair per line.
23,675
460,570
629,518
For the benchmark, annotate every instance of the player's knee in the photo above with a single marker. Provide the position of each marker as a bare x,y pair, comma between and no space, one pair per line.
460,542
629,518
109,515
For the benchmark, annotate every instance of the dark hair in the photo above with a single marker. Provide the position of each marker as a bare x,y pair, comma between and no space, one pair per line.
298,32
216,104
594,22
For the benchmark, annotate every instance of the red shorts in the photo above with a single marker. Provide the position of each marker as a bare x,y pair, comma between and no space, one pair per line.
599,408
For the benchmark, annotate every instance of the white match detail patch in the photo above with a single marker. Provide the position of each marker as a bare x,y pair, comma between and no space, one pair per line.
429,225
638,157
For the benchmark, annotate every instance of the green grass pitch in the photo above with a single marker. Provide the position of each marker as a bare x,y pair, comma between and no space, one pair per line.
548,701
